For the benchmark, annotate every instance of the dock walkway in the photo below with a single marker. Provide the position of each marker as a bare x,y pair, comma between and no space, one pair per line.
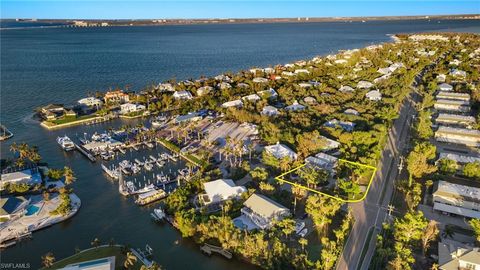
209,249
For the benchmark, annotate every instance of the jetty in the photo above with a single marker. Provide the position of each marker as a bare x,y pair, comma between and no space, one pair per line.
143,255
209,249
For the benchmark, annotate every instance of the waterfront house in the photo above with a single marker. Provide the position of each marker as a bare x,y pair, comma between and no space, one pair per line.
457,199
220,190
374,95
295,107
29,176
251,98
107,263
262,212
52,111
181,95
310,100
364,85
224,86
288,73
346,89
305,85
453,255
468,137
280,151
422,37
381,78
165,87
340,61
301,71
455,62
455,120
260,80
131,108
345,125
452,96
243,85
90,102
269,93
452,105
234,103
12,207
445,87
328,144
190,117
269,111
222,78
117,96
204,90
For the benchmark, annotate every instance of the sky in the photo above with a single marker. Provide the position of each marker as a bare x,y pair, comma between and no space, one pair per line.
169,9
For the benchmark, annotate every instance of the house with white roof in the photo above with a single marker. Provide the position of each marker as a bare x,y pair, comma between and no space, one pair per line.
329,144
269,111
458,73
441,78
346,88
351,111
295,107
461,159
345,125
224,86
310,100
374,95
252,98
260,212
269,70
453,255
220,190
260,80
90,102
323,161
452,105
364,85
288,73
453,95
302,71
455,120
234,103
445,87
204,90
340,61
269,93
107,263
130,108
28,176
280,151
184,94
468,137
457,199
165,87
455,62
305,85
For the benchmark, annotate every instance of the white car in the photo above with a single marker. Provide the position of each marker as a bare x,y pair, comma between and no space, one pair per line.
303,232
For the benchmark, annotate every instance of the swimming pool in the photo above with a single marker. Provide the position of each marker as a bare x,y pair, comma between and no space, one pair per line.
32,209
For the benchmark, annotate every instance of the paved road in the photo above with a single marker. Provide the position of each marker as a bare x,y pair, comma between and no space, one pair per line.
372,212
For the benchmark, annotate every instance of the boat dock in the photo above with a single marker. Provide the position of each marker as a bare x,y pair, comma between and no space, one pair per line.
85,152
209,249
142,255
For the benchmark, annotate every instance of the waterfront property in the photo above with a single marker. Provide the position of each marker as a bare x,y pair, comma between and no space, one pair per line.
107,263
13,207
29,176
457,199
117,96
260,212
220,190
323,161
374,95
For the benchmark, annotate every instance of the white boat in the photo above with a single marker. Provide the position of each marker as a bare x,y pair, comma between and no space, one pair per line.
135,168
160,163
153,158
114,173
122,150
139,163
146,189
66,143
149,145
158,214
151,196
148,166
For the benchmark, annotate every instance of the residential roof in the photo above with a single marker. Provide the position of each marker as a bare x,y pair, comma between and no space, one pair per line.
450,253
364,85
462,159
107,263
263,206
455,190
222,189
459,131
455,117
452,95
374,95
280,151
16,176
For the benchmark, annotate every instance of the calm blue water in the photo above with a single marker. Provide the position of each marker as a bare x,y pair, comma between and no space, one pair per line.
45,65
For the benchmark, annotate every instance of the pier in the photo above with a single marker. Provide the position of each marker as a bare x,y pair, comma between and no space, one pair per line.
85,152
209,249
5,133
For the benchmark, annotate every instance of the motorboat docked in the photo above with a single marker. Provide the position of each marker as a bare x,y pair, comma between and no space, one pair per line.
145,189
160,163
158,214
148,166
159,121
66,143
152,158
151,196
149,145
138,162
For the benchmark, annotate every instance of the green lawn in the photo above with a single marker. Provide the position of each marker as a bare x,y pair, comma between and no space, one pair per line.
69,119
93,254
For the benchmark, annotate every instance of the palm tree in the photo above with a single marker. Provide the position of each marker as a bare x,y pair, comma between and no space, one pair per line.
48,259
448,232
130,260
303,242
69,175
